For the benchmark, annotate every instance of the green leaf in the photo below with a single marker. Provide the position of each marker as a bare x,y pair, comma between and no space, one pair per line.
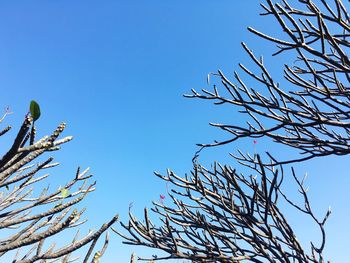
34,110
64,192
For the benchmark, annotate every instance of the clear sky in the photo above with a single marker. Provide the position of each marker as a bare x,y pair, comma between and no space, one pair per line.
115,71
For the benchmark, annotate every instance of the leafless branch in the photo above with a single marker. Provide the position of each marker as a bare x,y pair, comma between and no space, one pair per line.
29,220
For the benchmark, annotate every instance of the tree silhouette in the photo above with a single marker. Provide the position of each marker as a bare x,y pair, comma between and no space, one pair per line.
309,112
222,215
30,221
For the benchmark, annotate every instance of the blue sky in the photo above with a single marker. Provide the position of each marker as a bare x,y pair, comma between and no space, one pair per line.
115,71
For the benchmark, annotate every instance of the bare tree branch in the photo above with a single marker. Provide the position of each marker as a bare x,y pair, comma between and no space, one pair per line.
311,111
221,215
28,220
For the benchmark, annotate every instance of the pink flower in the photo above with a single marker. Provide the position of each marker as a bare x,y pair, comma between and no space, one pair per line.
255,141
162,197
